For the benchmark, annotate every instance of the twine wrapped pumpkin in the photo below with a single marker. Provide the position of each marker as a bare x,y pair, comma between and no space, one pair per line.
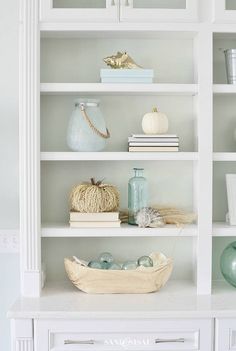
94,197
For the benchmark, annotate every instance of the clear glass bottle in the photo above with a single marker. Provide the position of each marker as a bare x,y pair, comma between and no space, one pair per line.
137,194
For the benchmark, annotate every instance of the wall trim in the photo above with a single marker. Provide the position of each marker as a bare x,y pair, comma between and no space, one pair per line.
9,241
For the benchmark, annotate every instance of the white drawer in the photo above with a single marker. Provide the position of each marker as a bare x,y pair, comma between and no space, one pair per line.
225,334
118,335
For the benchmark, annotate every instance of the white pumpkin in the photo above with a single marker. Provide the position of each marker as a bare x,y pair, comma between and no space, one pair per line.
155,122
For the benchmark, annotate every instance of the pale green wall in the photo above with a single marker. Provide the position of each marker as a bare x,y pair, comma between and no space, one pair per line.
9,263
9,291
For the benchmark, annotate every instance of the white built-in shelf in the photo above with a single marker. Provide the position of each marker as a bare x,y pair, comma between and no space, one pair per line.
109,89
139,30
224,156
119,30
60,230
223,229
63,300
177,298
63,230
119,156
224,89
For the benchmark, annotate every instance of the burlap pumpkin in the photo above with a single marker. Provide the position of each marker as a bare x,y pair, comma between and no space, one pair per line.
94,197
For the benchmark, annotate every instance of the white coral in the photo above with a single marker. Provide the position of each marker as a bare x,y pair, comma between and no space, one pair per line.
149,217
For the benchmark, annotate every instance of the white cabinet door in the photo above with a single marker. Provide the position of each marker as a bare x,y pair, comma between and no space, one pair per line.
121,335
159,10
224,11
79,10
225,334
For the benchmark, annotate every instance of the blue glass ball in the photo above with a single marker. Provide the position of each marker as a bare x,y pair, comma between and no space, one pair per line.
115,266
228,263
128,265
145,261
95,264
105,265
106,257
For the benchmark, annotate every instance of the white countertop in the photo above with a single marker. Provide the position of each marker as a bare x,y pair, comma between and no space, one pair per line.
176,300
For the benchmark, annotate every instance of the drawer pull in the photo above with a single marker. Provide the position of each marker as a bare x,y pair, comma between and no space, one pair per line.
162,341
79,342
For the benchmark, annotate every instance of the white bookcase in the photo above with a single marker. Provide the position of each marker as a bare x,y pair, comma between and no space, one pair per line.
61,49
119,10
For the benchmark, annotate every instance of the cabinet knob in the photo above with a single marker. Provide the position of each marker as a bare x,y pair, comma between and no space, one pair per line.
79,342
162,341
126,2
113,3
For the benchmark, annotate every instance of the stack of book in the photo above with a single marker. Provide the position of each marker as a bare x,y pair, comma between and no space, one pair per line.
94,220
153,143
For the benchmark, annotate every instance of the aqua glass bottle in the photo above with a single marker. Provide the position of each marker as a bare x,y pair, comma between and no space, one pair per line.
137,194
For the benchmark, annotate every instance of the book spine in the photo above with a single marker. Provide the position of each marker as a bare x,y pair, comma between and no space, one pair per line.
153,144
154,136
153,149
153,140
94,217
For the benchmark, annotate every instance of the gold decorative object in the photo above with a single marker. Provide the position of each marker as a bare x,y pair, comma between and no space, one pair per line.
105,281
121,61
94,197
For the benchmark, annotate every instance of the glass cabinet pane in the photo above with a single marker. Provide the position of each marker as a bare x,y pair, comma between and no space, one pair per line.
160,4
230,5
83,4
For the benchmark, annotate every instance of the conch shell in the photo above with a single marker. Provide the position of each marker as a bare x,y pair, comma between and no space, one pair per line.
121,61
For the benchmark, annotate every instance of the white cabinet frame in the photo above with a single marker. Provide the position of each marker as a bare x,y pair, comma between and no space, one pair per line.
48,13
130,14
29,141
220,14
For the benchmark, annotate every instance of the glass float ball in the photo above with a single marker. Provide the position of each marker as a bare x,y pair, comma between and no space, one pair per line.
128,265
115,266
95,264
105,265
145,261
228,263
106,257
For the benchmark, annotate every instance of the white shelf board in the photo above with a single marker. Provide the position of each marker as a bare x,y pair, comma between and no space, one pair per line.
110,89
177,299
119,156
63,230
119,30
221,229
224,156
63,300
224,89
